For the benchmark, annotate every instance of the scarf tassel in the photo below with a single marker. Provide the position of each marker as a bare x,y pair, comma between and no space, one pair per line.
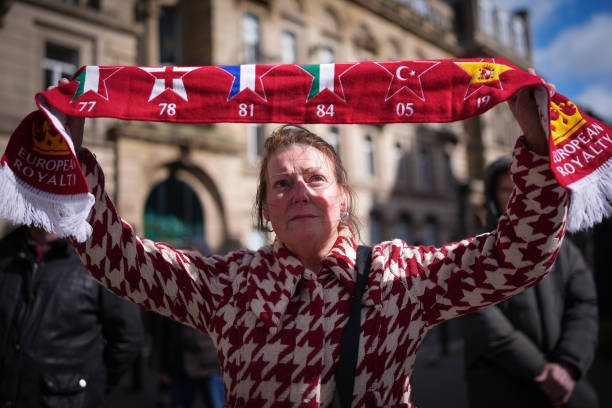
62,214
591,199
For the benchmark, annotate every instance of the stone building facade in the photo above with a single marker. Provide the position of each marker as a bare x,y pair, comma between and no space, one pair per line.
420,182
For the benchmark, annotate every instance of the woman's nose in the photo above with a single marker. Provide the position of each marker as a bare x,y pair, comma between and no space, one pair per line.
300,192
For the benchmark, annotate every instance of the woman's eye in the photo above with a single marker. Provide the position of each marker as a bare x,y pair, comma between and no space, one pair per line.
317,178
281,183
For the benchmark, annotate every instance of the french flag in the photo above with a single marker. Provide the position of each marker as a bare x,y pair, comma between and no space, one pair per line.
247,76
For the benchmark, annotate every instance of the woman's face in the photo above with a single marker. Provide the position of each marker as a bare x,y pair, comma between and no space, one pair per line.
303,201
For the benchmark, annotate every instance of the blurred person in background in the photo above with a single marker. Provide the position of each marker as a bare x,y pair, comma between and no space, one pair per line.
186,359
534,349
187,363
65,340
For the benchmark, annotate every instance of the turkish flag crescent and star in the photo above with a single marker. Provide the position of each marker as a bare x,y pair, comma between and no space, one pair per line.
42,182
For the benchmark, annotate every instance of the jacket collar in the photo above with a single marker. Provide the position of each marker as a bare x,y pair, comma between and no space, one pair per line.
275,273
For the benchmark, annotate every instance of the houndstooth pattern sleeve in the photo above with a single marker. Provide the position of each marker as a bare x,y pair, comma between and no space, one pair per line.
179,284
465,276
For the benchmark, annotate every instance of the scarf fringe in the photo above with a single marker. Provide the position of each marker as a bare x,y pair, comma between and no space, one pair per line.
591,199
63,215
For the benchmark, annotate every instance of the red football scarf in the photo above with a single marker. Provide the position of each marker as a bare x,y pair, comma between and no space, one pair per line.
42,183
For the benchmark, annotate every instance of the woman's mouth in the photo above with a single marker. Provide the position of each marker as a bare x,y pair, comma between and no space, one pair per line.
301,217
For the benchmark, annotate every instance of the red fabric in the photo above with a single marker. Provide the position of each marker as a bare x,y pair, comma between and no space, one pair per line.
361,92
40,156
369,92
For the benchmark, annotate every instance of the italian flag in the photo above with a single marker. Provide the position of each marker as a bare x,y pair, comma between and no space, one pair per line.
326,76
92,78
89,80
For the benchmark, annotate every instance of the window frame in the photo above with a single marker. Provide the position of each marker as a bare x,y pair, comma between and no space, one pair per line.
252,52
293,59
255,141
58,68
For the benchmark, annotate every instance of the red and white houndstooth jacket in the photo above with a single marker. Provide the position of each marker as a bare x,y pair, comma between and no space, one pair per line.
277,325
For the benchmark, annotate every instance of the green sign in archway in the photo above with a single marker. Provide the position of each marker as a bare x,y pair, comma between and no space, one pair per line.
173,213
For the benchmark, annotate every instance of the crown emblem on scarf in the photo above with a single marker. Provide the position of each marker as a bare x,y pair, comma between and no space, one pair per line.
47,140
565,120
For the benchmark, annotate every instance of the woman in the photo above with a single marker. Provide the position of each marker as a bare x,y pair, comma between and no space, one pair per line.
276,314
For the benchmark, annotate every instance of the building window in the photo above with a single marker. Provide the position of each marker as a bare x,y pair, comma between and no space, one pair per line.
503,26
368,152
331,20
326,55
485,17
333,139
448,173
94,4
288,48
169,35
366,43
173,213
59,62
430,231
403,228
251,38
376,227
255,141
400,164
425,170
519,35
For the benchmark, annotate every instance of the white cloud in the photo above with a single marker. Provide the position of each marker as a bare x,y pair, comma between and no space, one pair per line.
598,99
579,51
579,59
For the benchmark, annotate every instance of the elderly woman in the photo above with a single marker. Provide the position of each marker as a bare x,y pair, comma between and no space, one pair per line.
276,314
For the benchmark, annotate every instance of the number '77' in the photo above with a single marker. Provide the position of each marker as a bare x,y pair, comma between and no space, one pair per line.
84,105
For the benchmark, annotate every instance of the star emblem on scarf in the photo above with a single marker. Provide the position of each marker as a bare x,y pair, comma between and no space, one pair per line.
93,78
327,76
168,78
247,76
406,75
483,73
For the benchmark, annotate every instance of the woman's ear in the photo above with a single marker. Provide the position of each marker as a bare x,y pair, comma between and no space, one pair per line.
265,212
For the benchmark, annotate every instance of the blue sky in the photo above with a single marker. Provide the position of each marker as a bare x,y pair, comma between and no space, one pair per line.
572,45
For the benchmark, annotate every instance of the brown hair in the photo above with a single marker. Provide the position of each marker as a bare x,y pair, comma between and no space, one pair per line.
288,135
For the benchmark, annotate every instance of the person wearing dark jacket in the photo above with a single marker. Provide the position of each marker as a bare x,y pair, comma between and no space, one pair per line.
534,349
187,362
65,341
186,358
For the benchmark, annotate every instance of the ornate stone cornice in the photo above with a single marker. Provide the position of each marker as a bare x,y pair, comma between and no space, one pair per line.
410,20
85,14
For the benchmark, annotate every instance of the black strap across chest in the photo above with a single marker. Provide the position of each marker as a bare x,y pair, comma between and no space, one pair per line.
349,344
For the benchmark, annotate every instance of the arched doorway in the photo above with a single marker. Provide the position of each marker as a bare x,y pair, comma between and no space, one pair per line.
174,214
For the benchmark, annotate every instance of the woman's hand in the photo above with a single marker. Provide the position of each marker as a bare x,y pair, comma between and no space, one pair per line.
525,110
74,125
